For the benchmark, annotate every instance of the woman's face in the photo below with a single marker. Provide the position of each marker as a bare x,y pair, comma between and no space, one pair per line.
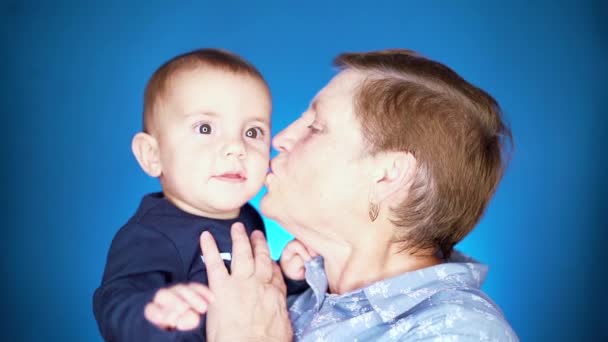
318,179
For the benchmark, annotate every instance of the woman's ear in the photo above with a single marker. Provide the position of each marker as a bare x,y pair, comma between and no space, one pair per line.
145,149
394,173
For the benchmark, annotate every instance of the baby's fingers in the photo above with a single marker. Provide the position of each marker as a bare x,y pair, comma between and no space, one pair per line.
311,252
155,314
188,320
196,296
295,247
293,267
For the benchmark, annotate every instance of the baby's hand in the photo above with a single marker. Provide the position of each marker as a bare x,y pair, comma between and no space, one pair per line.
293,257
179,306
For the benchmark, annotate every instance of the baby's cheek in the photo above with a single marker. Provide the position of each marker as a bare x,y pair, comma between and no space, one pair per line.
259,164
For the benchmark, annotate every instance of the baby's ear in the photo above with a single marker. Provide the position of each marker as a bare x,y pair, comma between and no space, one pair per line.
145,149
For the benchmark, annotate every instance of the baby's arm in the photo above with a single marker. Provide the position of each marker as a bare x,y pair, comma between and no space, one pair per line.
179,306
140,262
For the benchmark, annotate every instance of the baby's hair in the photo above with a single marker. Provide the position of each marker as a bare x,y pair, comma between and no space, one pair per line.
211,58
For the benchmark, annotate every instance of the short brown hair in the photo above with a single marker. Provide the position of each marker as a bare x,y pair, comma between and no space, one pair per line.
213,58
454,130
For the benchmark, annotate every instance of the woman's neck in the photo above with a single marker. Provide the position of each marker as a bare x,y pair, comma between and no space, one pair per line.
370,261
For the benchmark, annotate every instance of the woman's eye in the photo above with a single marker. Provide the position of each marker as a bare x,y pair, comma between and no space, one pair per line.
314,129
254,133
204,128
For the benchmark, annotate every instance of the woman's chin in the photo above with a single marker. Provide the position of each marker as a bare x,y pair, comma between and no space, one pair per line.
272,208
266,206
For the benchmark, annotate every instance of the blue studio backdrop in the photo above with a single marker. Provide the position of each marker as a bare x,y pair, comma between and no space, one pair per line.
73,75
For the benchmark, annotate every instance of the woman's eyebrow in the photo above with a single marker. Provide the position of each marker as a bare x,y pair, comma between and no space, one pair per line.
315,105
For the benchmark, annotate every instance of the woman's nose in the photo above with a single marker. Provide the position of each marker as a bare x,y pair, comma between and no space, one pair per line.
280,142
286,139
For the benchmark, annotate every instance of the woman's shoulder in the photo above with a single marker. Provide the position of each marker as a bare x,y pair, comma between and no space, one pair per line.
458,314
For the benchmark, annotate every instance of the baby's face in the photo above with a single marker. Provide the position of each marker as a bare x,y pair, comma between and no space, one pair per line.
213,131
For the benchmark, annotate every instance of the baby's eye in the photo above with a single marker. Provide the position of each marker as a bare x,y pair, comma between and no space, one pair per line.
254,133
204,128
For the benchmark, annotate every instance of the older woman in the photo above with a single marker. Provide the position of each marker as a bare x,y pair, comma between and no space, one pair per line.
391,166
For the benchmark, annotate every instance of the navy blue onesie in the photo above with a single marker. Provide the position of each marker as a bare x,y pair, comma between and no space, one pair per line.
157,247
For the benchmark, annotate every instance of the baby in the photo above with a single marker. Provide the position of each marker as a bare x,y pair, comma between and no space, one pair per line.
206,136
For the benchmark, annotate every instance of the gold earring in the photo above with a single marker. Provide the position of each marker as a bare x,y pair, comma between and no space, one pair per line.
374,210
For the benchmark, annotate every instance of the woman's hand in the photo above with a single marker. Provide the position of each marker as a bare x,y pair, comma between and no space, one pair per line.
250,303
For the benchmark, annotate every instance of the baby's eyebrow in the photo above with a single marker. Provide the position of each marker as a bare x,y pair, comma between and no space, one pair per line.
212,114
260,119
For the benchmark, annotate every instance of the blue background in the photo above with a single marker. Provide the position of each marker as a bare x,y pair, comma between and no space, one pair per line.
73,75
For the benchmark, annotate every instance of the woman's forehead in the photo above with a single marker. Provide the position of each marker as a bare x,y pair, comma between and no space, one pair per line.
344,82
338,93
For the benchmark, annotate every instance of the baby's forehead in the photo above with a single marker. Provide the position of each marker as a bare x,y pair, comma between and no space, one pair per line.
216,94
206,80
210,74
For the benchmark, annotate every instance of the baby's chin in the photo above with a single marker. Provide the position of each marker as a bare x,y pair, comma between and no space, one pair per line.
226,206
216,209
230,200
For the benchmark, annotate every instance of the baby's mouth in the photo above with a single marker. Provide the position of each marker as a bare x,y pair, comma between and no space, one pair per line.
233,177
